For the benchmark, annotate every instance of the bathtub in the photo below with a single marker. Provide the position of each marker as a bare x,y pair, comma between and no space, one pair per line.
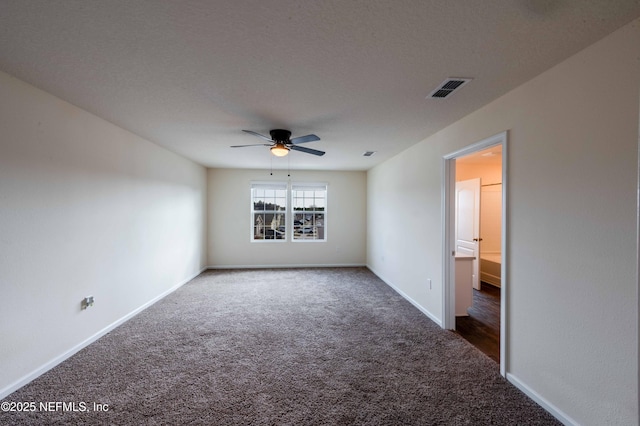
490,268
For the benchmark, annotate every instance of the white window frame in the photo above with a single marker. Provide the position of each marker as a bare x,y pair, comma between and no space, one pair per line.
307,186
289,211
282,186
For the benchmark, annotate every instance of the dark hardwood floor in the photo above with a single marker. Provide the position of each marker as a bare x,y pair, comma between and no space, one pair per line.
482,327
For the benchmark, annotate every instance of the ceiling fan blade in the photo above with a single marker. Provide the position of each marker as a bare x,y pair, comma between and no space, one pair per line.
303,139
253,144
306,150
258,135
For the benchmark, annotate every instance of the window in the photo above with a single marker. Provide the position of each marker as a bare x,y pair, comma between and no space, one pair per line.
309,210
269,211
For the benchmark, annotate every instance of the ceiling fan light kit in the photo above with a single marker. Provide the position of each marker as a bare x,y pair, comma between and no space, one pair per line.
281,142
279,150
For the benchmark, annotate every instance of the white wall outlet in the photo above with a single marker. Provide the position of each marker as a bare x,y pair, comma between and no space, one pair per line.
86,302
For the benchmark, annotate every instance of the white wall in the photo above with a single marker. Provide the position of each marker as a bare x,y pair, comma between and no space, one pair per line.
572,319
230,222
491,219
488,173
86,208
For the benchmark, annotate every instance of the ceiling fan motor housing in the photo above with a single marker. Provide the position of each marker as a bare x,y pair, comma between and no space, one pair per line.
280,135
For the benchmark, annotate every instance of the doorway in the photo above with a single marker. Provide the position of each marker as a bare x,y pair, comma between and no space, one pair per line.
483,167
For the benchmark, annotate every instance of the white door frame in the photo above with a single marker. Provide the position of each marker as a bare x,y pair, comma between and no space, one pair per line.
448,235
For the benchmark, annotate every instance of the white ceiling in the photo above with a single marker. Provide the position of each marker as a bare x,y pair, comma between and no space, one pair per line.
190,75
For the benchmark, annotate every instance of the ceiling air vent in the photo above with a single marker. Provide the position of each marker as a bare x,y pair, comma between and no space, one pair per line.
369,153
447,87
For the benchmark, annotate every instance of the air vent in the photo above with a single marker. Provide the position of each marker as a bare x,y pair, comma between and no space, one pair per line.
448,87
369,153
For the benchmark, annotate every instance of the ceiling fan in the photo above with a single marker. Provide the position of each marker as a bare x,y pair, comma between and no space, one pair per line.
281,142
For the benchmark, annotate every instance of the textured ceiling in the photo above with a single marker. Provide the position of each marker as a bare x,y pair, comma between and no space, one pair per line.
190,75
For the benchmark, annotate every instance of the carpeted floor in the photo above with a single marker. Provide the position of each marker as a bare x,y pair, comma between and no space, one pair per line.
279,347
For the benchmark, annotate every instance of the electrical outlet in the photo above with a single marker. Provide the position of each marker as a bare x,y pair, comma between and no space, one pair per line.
86,302
429,282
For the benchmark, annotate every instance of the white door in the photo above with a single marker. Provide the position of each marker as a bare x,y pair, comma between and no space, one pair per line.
467,226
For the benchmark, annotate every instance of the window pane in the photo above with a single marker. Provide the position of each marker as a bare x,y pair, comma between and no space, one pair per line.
276,228
308,205
270,204
319,224
258,226
269,212
303,226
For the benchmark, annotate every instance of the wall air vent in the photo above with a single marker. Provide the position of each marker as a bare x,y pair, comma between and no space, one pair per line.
447,87
369,153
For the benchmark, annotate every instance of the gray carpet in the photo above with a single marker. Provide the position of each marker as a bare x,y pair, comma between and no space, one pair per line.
280,347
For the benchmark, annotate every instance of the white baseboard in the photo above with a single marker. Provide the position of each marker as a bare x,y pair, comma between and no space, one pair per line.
283,266
4,392
552,409
409,299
